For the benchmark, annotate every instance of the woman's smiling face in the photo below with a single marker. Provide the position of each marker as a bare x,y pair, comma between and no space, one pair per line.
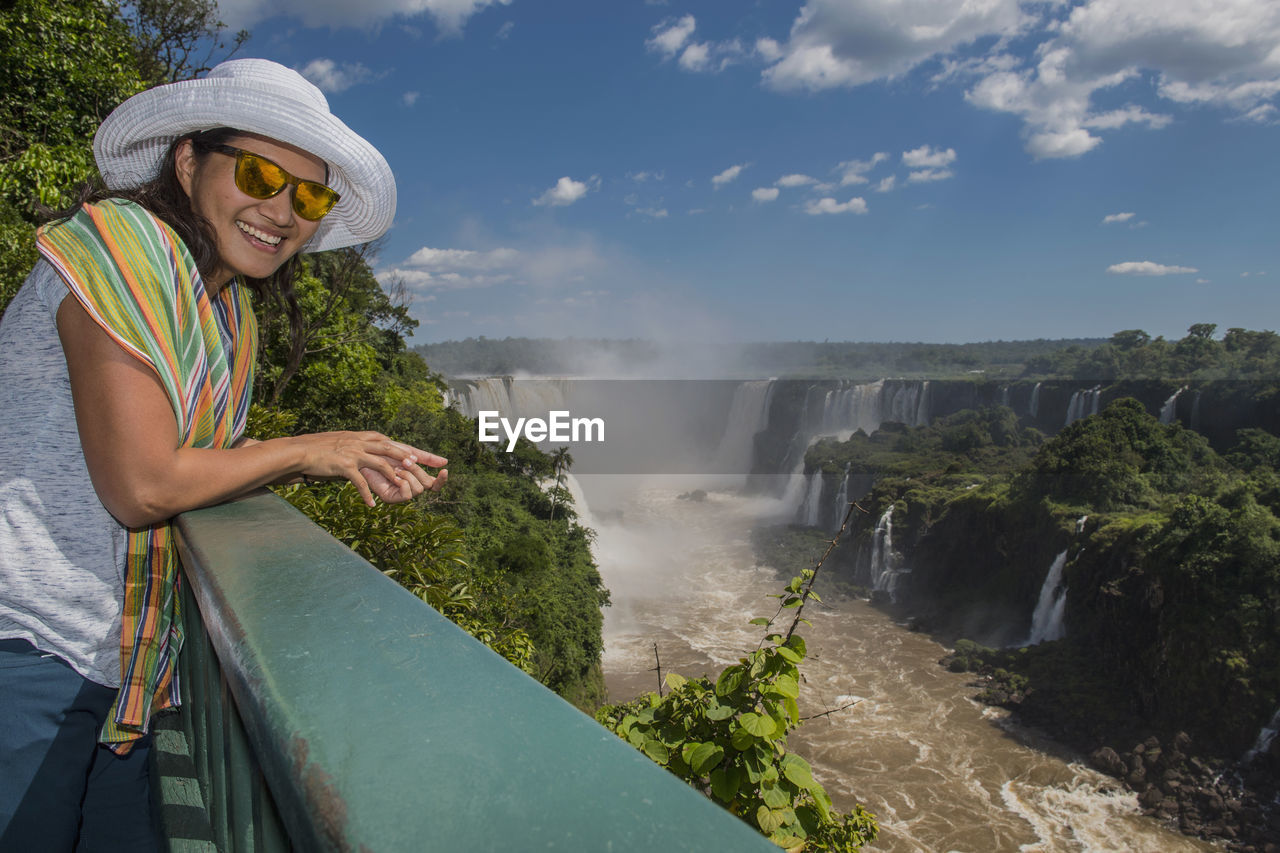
254,236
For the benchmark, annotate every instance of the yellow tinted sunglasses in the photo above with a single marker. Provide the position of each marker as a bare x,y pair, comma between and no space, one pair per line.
259,177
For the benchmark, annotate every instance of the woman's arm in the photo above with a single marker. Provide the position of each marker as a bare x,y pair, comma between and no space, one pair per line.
141,474
391,491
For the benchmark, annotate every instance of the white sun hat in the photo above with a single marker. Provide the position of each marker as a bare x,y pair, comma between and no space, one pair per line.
266,98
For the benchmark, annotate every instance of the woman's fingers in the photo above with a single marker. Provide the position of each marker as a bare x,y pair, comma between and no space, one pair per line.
421,457
391,491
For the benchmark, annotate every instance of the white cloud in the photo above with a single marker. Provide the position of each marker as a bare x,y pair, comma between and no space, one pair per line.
641,177
1216,52
410,98
926,175
1219,53
432,270
928,163
446,260
1117,217
565,192
504,32
1148,268
332,78
655,212
854,171
671,35
674,36
927,157
763,194
728,175
830,205
886,184
696,57
450,16
795,181
420,282
849,42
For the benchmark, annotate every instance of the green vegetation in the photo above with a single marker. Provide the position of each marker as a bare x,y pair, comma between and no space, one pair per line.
1133,354
1130,354
1173,586
826,360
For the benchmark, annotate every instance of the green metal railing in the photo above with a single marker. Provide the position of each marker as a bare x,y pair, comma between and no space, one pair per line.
328,709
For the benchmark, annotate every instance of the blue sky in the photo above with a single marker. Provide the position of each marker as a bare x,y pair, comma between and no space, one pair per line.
945,170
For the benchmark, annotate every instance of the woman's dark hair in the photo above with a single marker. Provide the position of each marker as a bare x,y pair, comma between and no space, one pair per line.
164,196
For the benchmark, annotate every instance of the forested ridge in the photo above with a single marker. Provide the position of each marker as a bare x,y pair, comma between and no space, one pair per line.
1132,354
1171,579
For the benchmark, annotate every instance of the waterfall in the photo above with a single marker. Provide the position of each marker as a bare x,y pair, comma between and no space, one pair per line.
1004,396
1265,739
1169,411
1083,403
906,402
748,415
1035,400
842,498
506,395
886,564
1047,620
811,507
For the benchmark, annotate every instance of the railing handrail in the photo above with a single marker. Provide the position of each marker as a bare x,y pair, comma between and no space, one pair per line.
379,725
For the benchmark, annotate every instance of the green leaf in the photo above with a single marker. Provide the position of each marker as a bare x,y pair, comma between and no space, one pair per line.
725,782
774,797
792,601
656,751
675,681
729,680
720,712
793,711
759,620
787,686
703,759
796,644
797,770
757,725
789,654
742,739
767,820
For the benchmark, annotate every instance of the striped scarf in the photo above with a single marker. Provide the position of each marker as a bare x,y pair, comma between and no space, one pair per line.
138,281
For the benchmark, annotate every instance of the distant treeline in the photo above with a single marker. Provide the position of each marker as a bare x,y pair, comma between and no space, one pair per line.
576,356
1128,354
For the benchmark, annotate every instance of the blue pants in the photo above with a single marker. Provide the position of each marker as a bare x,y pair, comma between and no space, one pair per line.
60,791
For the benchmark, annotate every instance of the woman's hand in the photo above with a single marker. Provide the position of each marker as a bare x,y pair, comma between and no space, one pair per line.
373,463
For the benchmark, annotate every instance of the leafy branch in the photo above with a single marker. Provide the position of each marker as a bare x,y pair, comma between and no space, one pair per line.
728,739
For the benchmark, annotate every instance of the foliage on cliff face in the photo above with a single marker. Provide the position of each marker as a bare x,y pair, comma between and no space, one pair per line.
1173,586
513,575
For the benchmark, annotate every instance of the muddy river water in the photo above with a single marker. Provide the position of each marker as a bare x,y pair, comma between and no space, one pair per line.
940,772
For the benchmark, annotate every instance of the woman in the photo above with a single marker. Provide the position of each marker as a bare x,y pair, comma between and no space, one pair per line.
126,361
